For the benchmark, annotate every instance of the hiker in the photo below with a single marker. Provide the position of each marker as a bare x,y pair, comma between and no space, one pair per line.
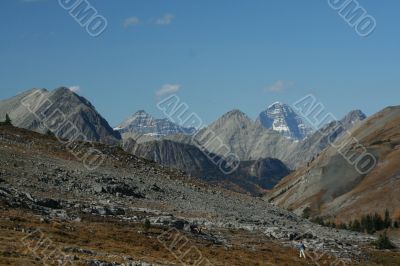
302,248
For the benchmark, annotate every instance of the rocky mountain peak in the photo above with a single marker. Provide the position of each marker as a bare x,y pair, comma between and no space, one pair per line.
66,95
283,119
354,117
277,105
144,123
234,114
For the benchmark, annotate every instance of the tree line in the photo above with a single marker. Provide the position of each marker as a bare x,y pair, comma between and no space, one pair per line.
369,223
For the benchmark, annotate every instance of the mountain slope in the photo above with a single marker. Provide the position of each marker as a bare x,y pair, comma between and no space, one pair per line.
318,141
250,177
60,110
143,123
245,138
94,215
332,187
283,119
178,155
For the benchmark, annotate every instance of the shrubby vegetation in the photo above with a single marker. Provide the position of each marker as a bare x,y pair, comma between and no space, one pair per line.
146,225
50,133
306,213
384,242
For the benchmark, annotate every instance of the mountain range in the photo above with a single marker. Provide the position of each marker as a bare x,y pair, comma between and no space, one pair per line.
278,155
278,139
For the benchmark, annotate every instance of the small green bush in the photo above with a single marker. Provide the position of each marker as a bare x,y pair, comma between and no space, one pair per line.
50,133
306,213
384,242
147,225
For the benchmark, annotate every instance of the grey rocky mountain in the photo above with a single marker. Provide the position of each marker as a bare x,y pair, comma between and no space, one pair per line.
352,118
236,133
309,148
332,185
143,123
250,177
62,111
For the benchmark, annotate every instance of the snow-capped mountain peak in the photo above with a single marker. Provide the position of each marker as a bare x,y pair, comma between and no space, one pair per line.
144,123
283,119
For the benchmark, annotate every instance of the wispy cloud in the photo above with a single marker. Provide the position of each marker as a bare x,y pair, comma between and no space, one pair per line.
75,89
279,85
167,89
165,20
131,21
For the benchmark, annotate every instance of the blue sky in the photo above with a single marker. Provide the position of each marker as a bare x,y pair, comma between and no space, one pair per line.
217,55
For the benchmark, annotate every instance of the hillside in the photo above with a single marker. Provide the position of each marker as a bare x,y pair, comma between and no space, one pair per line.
333,188
314,144
43,186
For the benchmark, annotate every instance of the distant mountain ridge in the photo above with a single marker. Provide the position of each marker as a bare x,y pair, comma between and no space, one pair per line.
283,119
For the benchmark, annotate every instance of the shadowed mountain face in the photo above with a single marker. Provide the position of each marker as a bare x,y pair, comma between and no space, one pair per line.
266,173
283,119
250,177
331,184
62,111
178,155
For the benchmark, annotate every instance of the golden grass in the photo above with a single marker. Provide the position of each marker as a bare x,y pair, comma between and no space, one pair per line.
112,240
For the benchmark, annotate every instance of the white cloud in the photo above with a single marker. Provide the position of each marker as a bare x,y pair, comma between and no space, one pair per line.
165,20
279,85
75,89
131,21
167,89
